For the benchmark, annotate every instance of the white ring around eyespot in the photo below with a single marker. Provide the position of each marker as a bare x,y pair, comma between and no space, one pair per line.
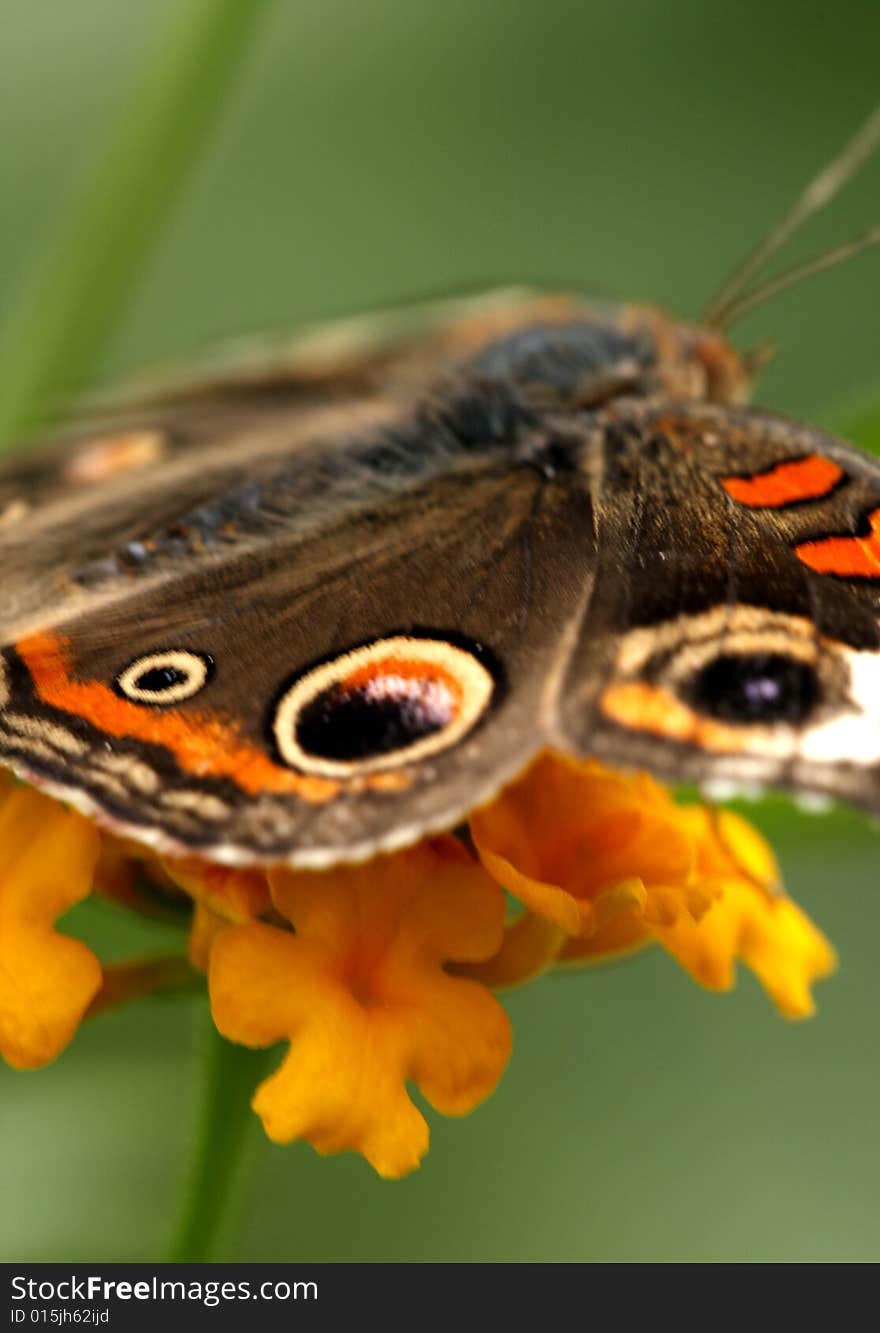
195,667
474,681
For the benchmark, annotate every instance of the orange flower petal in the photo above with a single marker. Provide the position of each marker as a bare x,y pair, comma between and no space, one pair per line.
578,824
577,843
771,935
206,926
361,993
610,859
750,920
550,901
229,892
623,934
46,979
729,847
531,944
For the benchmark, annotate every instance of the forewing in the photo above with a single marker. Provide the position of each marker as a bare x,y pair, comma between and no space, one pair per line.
239,567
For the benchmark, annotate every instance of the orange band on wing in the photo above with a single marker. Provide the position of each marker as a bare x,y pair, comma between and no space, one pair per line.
207,747
848,557
407,670
650,708
786,483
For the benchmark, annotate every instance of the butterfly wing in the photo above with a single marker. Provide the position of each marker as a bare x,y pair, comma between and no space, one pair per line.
317,603
317,611
162,633
734,635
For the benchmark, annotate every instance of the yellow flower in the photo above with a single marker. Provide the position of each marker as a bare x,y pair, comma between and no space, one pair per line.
380,975
751,920
220,894
46,979
361,994
605,856
612,861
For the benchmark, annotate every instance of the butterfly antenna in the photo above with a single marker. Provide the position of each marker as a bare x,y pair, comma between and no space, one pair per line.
820,191
789,276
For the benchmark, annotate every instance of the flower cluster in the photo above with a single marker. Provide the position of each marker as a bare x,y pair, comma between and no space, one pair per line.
381,974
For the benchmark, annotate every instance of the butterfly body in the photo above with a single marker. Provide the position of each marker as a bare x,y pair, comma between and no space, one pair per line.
327,601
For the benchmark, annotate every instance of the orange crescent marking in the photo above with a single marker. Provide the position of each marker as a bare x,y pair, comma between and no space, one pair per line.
202,745
848,557
408,670
785,484
649,708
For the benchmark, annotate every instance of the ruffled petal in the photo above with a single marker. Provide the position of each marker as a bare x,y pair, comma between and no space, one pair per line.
361,993
770,935
624,934
609,859
206,926
46,979
228,891
531,944
580,844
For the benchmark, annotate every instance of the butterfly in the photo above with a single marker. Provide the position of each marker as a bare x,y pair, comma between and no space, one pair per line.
323,602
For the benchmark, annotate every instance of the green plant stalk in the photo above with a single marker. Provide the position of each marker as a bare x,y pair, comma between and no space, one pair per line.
69,301
231,1075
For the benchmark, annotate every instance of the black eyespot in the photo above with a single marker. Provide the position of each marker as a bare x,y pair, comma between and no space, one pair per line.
375,718
385,703
160,678
166,677
749,688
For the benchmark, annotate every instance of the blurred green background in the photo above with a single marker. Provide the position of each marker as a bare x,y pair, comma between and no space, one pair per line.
376,150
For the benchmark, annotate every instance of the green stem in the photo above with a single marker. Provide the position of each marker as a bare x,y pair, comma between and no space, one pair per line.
231,1076
69,300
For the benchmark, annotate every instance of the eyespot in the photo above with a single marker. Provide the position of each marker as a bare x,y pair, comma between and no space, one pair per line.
165,677
387,703
756,688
